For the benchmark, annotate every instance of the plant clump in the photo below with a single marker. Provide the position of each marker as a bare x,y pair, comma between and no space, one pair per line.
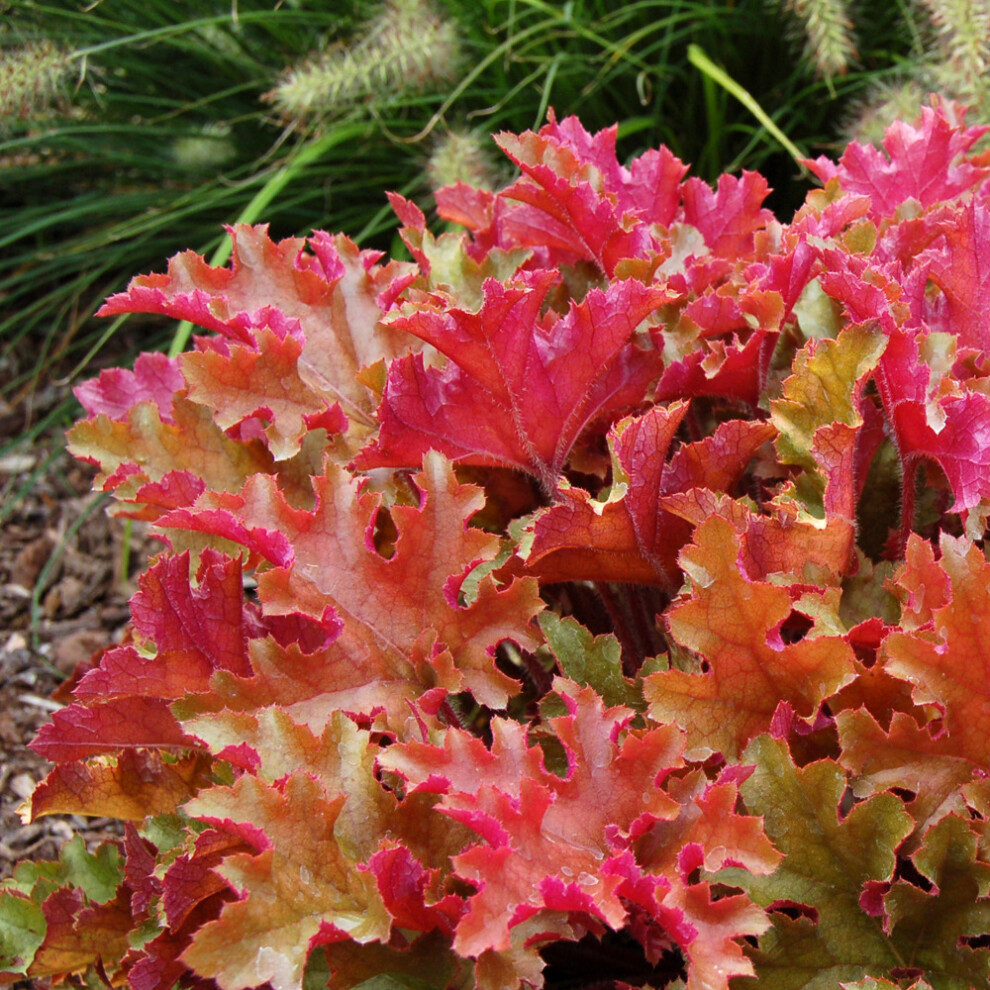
537,610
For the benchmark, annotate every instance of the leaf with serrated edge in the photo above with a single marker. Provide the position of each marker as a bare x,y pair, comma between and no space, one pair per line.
140,783
331,293
342,759
732,623
827,863
545,836
78,936
153,449
828,378
926,926
923,162
401,611
262,381
155,378
908,757
590,660
708,832
521,383
22,931
949,668
631,536
288,892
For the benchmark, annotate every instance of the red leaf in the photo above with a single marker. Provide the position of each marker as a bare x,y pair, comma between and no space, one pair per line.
124,701
205,622
630,771
735,370
262,381
952,427
525,872
465,205
777,543
545,836
158,966
728,216
139,784
704,927
708,832
139,868
78,732
78,936
404,631
402,883
921,585
190,881
174,490
957,265
580,200
520,386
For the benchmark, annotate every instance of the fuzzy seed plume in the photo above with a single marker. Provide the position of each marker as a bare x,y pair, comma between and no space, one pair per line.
869,120
462,156
962,44
32,80
827,32
410,47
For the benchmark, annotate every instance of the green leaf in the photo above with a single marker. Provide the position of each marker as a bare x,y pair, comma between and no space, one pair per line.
818,315
927,925
829,376
22,931
97,874
592,661
827,863
22,921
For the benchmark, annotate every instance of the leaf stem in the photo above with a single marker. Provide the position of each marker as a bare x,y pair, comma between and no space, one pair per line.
908,499
450,715
623,627
646,609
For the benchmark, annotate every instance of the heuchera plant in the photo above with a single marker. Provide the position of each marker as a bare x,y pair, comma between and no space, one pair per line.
599,598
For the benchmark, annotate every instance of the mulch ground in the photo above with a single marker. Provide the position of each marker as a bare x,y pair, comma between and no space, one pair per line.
63,596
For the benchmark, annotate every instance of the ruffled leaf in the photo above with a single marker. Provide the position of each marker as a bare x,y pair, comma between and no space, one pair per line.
519,387
733,625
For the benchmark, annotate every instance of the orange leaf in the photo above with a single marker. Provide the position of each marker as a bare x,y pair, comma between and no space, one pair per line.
733,624
291,894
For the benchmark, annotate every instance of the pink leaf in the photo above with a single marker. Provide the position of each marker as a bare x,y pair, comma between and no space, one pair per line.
155,378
